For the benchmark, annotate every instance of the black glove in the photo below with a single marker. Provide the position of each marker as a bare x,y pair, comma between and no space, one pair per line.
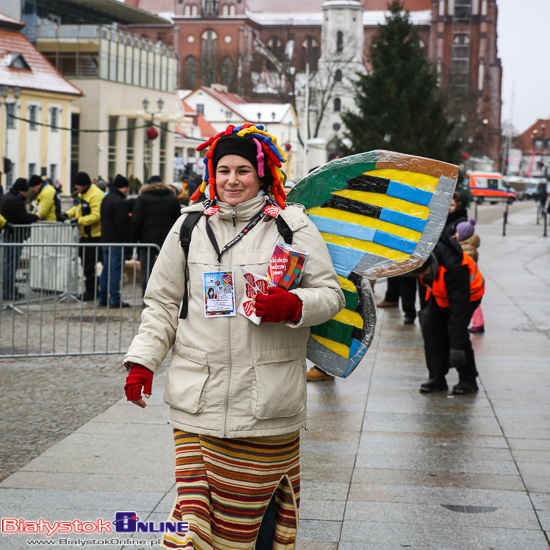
64,216
73,221
457,358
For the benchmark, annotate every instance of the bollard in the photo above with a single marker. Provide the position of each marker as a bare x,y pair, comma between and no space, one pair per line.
504,221
475,211
545,220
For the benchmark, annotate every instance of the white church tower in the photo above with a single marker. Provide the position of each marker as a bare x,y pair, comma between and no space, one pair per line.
341,59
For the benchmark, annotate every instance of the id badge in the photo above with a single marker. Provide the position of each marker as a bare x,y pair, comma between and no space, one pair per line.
219,294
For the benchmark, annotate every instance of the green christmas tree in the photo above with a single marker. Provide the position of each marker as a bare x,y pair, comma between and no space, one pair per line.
399,104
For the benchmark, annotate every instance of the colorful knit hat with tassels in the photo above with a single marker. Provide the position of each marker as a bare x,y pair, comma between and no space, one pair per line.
269,159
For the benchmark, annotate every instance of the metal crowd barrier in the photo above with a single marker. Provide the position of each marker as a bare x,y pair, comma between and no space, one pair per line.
44,309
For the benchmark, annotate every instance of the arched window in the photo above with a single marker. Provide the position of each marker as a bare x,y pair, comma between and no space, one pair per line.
194,9
460,60
463,8
339,42
190,73
227,72
481,75
338,75
225,9
275,45
187,10
209,53
337,104
232,10
310,53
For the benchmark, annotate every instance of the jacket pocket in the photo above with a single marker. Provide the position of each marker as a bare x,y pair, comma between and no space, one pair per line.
279,384
186,379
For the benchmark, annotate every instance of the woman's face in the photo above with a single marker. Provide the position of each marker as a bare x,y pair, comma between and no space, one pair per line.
236,180
453,206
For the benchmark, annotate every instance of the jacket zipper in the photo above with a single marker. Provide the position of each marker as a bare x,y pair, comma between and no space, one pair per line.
228,321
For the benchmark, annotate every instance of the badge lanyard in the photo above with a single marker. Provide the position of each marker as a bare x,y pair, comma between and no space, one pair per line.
257,218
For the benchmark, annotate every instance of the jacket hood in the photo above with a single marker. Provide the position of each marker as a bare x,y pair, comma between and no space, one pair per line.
156,189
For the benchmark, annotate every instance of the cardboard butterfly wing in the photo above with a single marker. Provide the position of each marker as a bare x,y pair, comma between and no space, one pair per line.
380,213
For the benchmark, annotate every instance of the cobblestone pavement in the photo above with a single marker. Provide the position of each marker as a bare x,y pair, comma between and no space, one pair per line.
46,399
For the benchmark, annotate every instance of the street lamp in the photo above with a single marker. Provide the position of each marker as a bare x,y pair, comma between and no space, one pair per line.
152,133
4,93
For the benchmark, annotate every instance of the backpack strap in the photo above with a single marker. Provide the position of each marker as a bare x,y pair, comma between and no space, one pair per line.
185,240
284,230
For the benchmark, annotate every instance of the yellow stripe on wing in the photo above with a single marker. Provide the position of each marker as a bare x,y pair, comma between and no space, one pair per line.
366,221
414,179
367,246
336,347
349,317
380,199
346,284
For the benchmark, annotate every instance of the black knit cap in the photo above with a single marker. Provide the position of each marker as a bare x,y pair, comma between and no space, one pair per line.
82,179
236,145
20,184
120,182
35,180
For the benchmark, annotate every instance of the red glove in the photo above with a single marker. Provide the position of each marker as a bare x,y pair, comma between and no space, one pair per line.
278,305
139,377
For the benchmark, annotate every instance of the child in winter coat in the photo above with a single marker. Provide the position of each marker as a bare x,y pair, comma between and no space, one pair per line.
469,241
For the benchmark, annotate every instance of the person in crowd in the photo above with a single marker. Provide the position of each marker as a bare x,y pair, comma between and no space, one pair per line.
115,228
155,211
46,201
469,241
236,390
12,208
404,286
87,214
455,287
457,212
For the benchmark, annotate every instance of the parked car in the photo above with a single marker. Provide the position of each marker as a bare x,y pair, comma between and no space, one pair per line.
491,187
524,187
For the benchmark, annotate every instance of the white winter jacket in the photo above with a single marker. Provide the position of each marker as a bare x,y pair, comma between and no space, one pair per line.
229,377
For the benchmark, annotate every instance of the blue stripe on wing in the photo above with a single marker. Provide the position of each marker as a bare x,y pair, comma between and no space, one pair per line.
398,218
343,258
355,231
409,193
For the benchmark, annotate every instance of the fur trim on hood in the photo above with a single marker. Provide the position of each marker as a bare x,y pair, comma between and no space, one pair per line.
157,188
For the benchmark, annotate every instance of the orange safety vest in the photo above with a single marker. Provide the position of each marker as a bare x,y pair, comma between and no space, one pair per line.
439,289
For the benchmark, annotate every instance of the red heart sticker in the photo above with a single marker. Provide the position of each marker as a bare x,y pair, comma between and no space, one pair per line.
247,306
250,291
212,210
250,278
227,279
272,211
262,286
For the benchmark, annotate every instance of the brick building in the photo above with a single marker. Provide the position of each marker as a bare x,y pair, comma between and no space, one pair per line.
260,48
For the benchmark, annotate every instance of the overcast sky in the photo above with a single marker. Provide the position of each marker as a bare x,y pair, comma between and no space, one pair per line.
524,49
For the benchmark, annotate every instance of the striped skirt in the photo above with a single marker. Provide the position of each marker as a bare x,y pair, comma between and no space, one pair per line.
225,485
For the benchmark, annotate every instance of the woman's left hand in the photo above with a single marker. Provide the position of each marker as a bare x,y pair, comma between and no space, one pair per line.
278,305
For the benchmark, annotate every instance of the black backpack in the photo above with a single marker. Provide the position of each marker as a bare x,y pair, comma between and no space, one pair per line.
185,240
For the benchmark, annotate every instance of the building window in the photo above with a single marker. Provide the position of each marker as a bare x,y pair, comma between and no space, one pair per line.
200,108
463,9
209,56
460,61
310,53
339,42
338,75
190,73
10,113
53,172
53,119
111,154
227,72
32,169
275,46
209,8
337,105
32,117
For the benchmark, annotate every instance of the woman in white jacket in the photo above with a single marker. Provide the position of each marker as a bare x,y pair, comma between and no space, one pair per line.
236,390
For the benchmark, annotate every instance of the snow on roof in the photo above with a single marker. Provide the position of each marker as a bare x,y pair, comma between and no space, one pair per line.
42,76
182,94
373,18
250,112
10,22
287,19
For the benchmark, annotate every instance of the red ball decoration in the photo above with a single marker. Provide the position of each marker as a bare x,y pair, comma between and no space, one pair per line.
465,156
152,133
288,146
